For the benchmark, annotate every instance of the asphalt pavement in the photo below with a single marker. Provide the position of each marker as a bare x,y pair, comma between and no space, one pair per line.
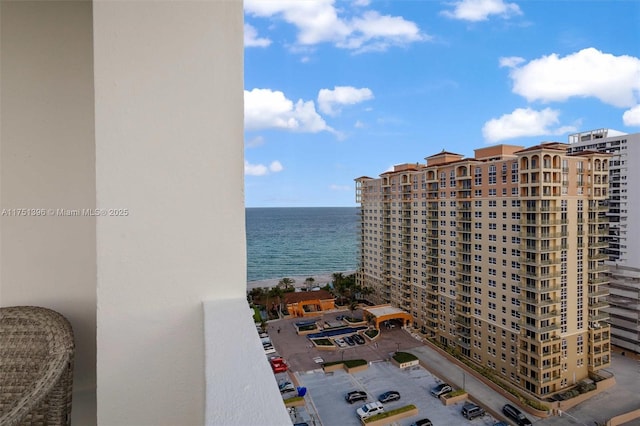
300,354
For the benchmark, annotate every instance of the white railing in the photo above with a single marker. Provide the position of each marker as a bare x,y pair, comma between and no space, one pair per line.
240,386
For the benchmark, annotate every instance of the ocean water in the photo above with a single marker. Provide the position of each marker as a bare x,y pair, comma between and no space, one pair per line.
284,242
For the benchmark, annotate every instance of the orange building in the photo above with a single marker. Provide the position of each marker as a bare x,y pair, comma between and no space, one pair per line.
307,303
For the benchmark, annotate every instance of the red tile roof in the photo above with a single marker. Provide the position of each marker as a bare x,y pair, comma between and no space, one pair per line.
302,296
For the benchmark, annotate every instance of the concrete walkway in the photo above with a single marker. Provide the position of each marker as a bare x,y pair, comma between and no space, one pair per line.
621,398
448,372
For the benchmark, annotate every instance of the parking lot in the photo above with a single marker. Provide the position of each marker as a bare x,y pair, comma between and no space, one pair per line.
327,391
325,396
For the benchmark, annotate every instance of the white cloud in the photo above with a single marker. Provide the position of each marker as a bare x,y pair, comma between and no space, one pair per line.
330,100
251,38
335,187
275,166
632,116
268,109
511,62
524,122
261,169
614,80
318,21
359,125
480,10
252,143
373,31
255,169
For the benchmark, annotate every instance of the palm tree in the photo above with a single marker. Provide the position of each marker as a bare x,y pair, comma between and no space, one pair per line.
366,291
286,283
309,282
276,292
353,306
255,294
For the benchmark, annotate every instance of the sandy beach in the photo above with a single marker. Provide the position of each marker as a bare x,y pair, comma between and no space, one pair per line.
320,280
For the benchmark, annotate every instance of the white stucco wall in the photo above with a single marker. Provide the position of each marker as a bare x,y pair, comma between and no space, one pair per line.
47,163
241,389
633,194
135,108
169,148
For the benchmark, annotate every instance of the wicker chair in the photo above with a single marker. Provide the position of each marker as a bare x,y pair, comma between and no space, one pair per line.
36,367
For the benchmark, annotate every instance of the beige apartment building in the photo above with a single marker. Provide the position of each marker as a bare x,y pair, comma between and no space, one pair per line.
499,256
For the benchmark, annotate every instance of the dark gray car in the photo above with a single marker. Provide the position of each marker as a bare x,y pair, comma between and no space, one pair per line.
389,396
355,396
516,415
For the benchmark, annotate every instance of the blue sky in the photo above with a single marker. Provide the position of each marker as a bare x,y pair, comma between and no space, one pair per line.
335,90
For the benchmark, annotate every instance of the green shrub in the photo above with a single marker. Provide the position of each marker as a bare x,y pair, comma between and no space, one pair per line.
322,342
308,327
372,333
390,413
585,387
337,327
490,374
351,363
455,393
537,405
293,399
402,357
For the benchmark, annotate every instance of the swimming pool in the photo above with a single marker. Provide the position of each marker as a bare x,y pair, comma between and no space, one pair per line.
337,332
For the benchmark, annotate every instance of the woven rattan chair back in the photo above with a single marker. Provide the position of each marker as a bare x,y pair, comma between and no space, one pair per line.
36,367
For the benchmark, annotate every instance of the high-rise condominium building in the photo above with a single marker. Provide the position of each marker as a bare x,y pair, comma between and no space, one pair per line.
624,250
500,256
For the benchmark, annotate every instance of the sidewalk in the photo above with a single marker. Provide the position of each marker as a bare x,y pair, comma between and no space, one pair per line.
621,398
448,372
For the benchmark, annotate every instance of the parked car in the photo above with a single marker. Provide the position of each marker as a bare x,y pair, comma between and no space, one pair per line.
389,396
355,396
269,349
370,409
278,365
516,415
422,422
470,411
349,340
441,389
501,424
286,387
358,339
340,342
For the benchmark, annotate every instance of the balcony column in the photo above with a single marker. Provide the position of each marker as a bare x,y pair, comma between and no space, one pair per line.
169,163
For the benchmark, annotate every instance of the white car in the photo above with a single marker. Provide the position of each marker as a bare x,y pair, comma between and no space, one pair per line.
286,387
370,409
268,348
441,389
341,343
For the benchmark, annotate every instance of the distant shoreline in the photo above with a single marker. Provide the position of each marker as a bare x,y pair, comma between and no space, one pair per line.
319,280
